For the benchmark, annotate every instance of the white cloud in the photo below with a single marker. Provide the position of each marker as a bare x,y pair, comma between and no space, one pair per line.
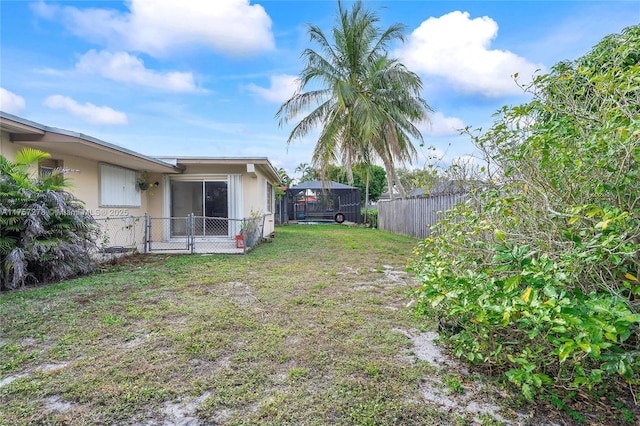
282,88
44,10
92,113
10,102
159,27
440,125
121,66
457,48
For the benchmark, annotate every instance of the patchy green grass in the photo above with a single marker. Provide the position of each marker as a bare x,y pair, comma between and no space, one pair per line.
303,330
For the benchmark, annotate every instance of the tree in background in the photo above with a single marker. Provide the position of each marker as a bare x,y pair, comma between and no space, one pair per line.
424,179
285,180
45,233
308,172
377,179
365,103
462,175
540,280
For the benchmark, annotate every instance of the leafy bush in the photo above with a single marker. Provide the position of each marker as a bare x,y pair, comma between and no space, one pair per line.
372,217
539,277
45,233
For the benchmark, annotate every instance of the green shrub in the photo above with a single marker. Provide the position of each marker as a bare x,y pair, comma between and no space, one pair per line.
45,233
541,274
372,217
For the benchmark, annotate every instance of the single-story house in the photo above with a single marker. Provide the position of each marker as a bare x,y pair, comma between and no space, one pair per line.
198,198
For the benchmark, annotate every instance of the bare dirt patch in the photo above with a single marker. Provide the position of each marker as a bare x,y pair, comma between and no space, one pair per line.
181,413
49,368
57,403
10,379
465,393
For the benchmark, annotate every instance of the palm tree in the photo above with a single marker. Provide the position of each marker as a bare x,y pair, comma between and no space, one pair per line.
285,179
396,106
308,172
365,103
45,233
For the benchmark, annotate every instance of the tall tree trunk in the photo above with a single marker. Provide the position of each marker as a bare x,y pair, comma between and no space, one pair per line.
349,174
389,182
399,186
392,179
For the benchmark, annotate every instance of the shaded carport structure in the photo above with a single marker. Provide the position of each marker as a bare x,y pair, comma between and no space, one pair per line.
328,200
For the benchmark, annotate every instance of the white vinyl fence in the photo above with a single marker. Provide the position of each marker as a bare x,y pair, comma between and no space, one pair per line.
415,216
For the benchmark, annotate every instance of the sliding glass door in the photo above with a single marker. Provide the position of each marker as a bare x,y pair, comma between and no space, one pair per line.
216,209
208,200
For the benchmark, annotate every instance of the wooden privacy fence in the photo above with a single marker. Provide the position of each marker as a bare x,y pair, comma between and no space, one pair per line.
414,216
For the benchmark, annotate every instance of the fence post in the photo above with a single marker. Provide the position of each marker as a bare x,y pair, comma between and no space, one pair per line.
244,237
191,224
147,233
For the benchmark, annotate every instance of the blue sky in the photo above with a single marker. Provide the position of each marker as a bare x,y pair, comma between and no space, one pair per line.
205,78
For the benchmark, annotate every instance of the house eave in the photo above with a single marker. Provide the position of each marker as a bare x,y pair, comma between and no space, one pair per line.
65,142
260,163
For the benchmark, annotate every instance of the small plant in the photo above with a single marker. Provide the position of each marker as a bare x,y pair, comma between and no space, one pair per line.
112,319
298,373
144,182
453,384
250,229
372,218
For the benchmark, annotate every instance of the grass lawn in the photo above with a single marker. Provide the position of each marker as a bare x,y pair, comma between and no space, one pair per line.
304,330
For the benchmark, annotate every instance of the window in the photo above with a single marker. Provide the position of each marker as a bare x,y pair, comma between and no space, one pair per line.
46,167
118,187
269,205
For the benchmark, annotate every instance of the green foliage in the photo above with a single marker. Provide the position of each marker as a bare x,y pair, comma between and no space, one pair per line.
308,173
541,276
461,175
45,233
377,179
285,179
372,217
423,179
280,193
453,383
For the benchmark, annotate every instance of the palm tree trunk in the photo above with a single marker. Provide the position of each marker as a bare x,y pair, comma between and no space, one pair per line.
349,173
392,179
399,186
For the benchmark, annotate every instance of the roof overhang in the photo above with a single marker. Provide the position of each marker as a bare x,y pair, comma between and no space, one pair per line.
68,145
252,164
63,142
15,127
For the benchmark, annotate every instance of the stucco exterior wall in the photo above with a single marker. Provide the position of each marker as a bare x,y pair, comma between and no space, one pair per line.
255,200
7,148
84,180
155,195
